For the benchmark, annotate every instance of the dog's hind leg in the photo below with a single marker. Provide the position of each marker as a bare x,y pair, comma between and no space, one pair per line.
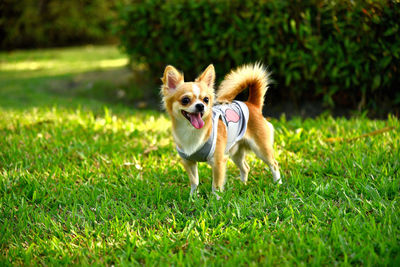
266,153
239,158
260,140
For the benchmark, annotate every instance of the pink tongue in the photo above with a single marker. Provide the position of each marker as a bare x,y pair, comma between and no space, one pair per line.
196,121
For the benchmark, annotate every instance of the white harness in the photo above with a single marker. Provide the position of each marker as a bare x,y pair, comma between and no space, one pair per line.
235,117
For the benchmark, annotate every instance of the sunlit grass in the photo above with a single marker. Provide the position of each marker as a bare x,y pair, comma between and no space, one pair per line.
63,67
86,182
107,187
59,76
41,63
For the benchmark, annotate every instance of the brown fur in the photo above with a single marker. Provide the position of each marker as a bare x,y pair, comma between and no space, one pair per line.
220,159
259,133
254,77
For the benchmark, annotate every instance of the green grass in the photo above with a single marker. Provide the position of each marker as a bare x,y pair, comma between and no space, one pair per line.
84,181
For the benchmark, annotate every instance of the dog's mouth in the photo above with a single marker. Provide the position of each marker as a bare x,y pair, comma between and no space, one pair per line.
194,118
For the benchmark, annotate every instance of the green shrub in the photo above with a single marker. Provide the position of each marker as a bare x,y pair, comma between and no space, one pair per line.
342,52
44,23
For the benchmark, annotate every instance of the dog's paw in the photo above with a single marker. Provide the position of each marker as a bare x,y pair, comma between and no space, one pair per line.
216,193
277,176
193,189
194,193
242,179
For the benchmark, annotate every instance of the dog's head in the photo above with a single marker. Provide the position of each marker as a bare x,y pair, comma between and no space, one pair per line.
188,101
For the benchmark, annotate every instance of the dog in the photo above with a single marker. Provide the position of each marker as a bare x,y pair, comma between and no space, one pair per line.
212,128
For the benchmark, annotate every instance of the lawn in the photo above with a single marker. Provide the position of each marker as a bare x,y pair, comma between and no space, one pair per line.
88,180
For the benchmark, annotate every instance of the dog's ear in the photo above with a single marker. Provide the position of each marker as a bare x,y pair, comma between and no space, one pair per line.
172,79
208,76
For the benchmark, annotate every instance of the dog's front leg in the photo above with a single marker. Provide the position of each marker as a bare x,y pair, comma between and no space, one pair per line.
219,171
219,159
191,169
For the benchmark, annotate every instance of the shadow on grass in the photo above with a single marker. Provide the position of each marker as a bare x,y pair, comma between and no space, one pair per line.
115,87
92,90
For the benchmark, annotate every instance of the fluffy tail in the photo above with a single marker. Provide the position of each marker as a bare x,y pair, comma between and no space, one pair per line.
253,76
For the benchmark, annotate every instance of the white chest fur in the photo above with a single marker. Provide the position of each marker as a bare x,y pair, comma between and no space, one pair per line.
189,138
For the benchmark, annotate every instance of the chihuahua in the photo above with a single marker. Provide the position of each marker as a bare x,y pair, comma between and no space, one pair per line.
208,132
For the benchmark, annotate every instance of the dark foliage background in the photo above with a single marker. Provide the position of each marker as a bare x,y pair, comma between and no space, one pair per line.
49,23
341,53
345,53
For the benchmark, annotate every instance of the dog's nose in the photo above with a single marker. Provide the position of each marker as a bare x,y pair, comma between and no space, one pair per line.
200,107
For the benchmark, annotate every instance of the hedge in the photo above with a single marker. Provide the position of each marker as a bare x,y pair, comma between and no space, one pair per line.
344,53
47,23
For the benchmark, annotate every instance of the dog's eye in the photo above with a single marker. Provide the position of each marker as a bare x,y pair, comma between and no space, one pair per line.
206,100
185,100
